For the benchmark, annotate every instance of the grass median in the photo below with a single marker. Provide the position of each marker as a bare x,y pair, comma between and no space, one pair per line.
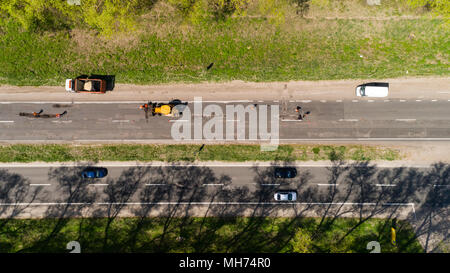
209,234
170,153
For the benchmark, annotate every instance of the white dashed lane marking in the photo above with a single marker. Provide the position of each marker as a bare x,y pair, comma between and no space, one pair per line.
406,119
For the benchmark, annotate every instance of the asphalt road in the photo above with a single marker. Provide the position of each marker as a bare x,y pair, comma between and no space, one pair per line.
240,184
329,119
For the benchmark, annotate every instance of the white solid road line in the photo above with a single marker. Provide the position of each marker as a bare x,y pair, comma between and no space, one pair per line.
244,140
200,164
6,121
205,101
405,119
385,185
114,102
210,203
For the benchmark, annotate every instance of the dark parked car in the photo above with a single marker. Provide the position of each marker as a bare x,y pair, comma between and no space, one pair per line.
285,172
94,172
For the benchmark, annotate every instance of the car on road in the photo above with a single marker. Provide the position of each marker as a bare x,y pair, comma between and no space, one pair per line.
285,196
373,89
285,172
94,172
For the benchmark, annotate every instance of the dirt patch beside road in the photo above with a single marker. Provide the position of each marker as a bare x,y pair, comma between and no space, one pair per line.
417,88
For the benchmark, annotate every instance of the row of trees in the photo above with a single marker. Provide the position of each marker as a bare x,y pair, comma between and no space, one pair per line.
111,16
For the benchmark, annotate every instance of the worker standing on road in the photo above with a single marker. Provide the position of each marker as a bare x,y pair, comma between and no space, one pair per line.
62,114
300,112
38,114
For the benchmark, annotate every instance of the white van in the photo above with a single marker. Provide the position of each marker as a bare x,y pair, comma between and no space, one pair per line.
373,89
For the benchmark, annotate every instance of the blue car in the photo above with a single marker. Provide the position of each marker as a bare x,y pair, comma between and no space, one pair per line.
285,172
94,172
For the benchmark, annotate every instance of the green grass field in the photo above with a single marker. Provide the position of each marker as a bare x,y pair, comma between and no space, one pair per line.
249,49
238,153
210,234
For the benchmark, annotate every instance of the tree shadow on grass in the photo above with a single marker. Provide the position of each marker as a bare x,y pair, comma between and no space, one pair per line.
16,197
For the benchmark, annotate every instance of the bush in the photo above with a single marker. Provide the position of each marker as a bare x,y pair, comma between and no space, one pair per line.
439,7
106,16
203,10
37,14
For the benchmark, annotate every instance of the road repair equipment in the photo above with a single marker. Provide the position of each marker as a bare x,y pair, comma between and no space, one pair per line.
301,114
174,108
40,115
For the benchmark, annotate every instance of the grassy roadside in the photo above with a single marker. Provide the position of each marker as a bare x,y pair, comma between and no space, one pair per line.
249,49
208,234
169,153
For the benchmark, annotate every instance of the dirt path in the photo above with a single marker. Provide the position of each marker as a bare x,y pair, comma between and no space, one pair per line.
417,88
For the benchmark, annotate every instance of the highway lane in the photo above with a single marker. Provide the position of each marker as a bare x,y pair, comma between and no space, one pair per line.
337,119
348,184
